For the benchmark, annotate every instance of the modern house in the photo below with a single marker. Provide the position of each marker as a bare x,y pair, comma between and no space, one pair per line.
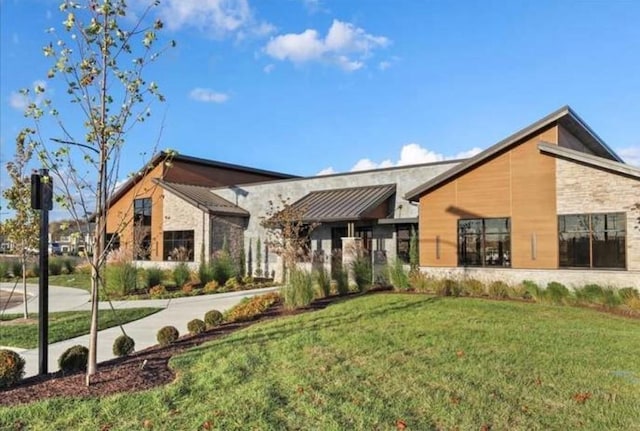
550,202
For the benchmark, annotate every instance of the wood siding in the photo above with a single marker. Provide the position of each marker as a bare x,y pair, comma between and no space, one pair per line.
518,183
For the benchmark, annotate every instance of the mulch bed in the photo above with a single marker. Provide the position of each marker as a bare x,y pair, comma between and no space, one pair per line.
9,299
128,374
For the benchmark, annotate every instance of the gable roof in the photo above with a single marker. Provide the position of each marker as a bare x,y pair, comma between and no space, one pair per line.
564,116
163,155
347,204
203,198
590,160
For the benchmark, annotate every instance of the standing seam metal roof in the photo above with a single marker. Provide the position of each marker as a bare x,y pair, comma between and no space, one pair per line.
347,204
203,198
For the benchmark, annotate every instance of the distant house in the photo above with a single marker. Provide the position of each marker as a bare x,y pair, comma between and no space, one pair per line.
550,202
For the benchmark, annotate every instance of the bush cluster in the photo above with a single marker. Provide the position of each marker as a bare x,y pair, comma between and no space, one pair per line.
181,274
121,279
196,326
323,282
152,276
167,335
123,346
11,368
74,359
362,272
398,276
252,307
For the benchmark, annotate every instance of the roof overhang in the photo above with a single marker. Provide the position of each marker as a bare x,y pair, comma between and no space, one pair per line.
590,160
564,116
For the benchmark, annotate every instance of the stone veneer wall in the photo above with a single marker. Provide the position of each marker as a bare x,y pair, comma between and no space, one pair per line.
181,215
569,277
582,189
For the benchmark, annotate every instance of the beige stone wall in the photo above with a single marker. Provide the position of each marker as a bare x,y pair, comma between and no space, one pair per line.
582,189
571,278
180,215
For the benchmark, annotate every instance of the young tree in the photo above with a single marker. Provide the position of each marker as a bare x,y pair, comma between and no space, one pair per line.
258,258
288,234
23,228
100,58
414,260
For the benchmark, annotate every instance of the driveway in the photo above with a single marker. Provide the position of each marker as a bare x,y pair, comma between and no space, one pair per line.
177,312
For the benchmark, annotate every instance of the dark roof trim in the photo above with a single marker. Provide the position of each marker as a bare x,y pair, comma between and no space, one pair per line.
564,112
163,155
590,160
175,189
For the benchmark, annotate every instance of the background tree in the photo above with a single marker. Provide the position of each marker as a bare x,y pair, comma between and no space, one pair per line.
100,58
23,228
287,234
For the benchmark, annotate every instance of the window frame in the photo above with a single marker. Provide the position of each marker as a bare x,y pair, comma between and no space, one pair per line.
404,256
166,251
506,255
590,234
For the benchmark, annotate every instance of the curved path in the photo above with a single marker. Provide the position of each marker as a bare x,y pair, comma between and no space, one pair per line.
177,312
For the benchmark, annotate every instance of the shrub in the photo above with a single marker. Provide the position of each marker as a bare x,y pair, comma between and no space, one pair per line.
167,335
211,286
33,270
196,326
205,272
189,287
153,276
222,268
398,277
69,266
4,270
323,281
158,291
556,292
74,359
212,318
121,278
298,292
250,308
123,345
627,293
361,267
422,282
610,297
592,293
447,287
16,268
232,284
11,368
499,289
472,287
532,290
342,280
181,274
55,266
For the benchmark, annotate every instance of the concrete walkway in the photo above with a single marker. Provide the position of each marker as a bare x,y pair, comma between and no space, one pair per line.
177,312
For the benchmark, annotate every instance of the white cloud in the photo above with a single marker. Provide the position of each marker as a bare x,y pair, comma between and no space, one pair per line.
208,96
327,171
269,68
631,155
345,45
412,154
384,65
218,18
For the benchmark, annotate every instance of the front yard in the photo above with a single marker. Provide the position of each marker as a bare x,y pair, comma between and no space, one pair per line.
389,361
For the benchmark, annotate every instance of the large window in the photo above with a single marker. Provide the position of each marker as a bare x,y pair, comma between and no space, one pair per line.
592,240
484,242
142,228
178,245
403,240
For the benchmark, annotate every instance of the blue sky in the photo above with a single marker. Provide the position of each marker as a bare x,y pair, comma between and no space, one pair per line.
309,86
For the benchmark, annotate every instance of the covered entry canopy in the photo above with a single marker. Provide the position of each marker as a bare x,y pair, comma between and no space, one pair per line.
347,205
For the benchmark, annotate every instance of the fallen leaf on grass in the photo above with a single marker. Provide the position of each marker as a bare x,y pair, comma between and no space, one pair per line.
581,397
485,427
454,400
206,425
460,353
147,424
400,424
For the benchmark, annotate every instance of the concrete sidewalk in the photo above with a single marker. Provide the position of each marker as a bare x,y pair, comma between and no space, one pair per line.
177,312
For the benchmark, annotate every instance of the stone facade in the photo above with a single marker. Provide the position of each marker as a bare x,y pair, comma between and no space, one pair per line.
255,199
571,278
181,215
582,189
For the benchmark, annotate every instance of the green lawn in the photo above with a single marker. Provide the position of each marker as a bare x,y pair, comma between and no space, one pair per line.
367,363
65,325
77,279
